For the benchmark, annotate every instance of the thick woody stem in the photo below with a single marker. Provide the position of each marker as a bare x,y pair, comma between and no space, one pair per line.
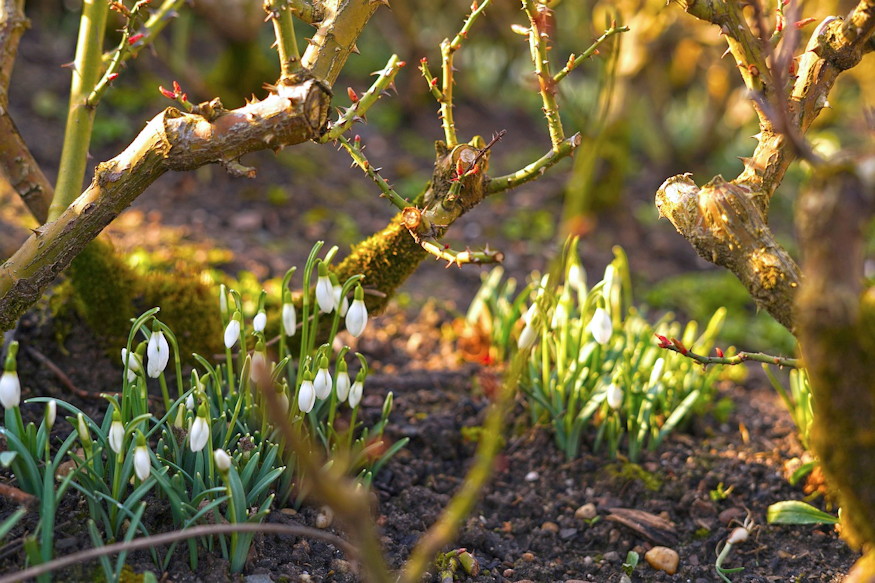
279,12
172,140
17,165
540,22
835,319
340,27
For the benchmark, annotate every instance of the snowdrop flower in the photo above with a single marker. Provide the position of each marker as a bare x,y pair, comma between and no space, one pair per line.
576,277
656,373
324,290
51,413
322,382
355,392
614,396
84,434
342,383
200,430
189,402
340,301
290,318
601,326
142,461
10,389
527,337
357,316
222,459
116,433
133,364
223,299
259,321
306,394
232,330
158,353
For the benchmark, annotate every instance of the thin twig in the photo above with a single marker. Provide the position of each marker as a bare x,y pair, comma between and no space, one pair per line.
171,537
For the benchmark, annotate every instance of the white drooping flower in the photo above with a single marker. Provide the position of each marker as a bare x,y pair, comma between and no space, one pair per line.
282,397
232,330
200,430
342,384
116,433
601,326
340,301
222,459
259,321
10,389
133,364
290,319
158,354
306,394
614,396
355,392
322,382
576,277
142,460
357,315
189,402
527,337
324,290
258,368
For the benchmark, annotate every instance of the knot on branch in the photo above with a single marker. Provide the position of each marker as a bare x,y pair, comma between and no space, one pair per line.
725,226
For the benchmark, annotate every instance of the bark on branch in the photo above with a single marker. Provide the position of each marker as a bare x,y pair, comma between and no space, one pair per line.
719,219
172,140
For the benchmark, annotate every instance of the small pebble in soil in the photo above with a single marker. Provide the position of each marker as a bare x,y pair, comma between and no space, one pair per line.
528,557
586,512
663,559
550,526
567,533
507,574
531,477
325,517
612,556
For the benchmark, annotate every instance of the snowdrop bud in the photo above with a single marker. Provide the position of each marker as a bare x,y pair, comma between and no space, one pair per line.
200,430
232,330
601,326
530,313
306,394
324,290
51,413
282,397
189,402
116,433
259,321
222,459
340,302
158,354
656,373
132,363
576,277
527,337
10,390
258,368
179,420
355,392
322,382
738,536
614,396
223,299
142,461
84,434
357,316
342,384
290,319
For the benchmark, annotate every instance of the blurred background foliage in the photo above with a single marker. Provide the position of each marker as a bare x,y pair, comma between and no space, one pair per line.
658,100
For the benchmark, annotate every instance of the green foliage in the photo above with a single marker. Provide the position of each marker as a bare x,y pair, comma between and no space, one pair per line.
139,450
795,512
596,361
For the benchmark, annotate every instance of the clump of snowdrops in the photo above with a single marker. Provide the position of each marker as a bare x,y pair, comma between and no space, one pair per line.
207,448
595,360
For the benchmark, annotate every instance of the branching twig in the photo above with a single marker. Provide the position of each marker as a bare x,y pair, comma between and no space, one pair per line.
536,169
362,103
676,345
356,152
575,60
279,12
